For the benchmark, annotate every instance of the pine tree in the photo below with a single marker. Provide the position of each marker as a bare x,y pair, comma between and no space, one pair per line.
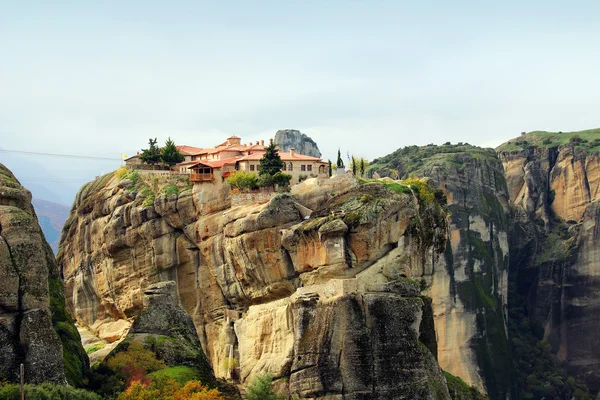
169,154
340,162
329,167
152,154
362,167
354,166
271,163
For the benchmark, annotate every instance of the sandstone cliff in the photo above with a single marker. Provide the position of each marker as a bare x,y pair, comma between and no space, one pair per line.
468,285
286,139
34,327
553,182
310,301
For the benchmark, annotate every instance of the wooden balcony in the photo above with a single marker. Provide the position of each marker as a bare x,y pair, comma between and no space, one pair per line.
202,177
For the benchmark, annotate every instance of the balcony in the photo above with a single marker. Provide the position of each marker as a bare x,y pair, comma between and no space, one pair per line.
204,177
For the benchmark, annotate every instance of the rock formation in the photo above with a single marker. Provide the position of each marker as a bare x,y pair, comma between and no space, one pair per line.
287,139
555,190
328,305
31,299
169,331
469,284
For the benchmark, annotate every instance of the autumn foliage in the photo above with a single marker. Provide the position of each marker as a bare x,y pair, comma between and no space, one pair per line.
163,388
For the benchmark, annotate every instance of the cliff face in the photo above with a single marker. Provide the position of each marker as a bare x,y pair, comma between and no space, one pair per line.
310,301
286,139
469,284
555,191
31,302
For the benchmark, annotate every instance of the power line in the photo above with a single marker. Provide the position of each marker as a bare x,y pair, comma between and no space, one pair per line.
52,180
33,153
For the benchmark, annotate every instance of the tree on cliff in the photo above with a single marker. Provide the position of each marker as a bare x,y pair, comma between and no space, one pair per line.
340,162
329,168
152,154
169,154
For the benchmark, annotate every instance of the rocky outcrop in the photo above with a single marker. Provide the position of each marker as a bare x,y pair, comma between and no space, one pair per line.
555,242
267,287
168,331
287,139
31,299
469,284
560,180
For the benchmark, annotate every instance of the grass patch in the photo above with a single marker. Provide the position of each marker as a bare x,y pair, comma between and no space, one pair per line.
149,200
94,348
170,190
179,373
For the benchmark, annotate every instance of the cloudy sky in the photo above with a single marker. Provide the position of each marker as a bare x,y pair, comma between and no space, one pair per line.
100,78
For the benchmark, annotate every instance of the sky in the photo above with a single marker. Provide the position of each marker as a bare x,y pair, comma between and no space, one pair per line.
99,78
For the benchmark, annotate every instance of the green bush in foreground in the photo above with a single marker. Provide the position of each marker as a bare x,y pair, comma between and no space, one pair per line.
46,391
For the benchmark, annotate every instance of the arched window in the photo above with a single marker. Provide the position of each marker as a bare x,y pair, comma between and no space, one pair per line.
321,169
284,167
291,166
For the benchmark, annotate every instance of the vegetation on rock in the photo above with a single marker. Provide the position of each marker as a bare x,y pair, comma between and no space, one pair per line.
459,390
261,389
587,139
74,356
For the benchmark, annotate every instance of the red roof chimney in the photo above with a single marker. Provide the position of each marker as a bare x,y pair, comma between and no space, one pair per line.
262,142
292,152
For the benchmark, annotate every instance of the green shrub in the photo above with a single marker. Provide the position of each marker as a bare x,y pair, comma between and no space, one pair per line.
149,200
243,180
133,176
46,391
278,178
170,190
261,389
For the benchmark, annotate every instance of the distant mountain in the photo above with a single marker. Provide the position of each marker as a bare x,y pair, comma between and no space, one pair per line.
302,144
52,217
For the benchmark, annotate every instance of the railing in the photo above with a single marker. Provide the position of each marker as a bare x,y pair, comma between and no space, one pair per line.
201,177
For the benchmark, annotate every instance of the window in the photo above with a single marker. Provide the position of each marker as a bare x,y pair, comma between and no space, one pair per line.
309,168
291,167
303,168
284,167
251,167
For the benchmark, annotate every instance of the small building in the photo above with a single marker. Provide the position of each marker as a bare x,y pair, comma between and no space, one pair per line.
299,166
133,161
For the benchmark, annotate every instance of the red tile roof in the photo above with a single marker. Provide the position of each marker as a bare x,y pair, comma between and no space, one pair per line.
215,163
284,157
189,150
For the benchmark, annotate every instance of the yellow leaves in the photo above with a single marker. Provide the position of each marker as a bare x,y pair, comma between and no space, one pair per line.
425,193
